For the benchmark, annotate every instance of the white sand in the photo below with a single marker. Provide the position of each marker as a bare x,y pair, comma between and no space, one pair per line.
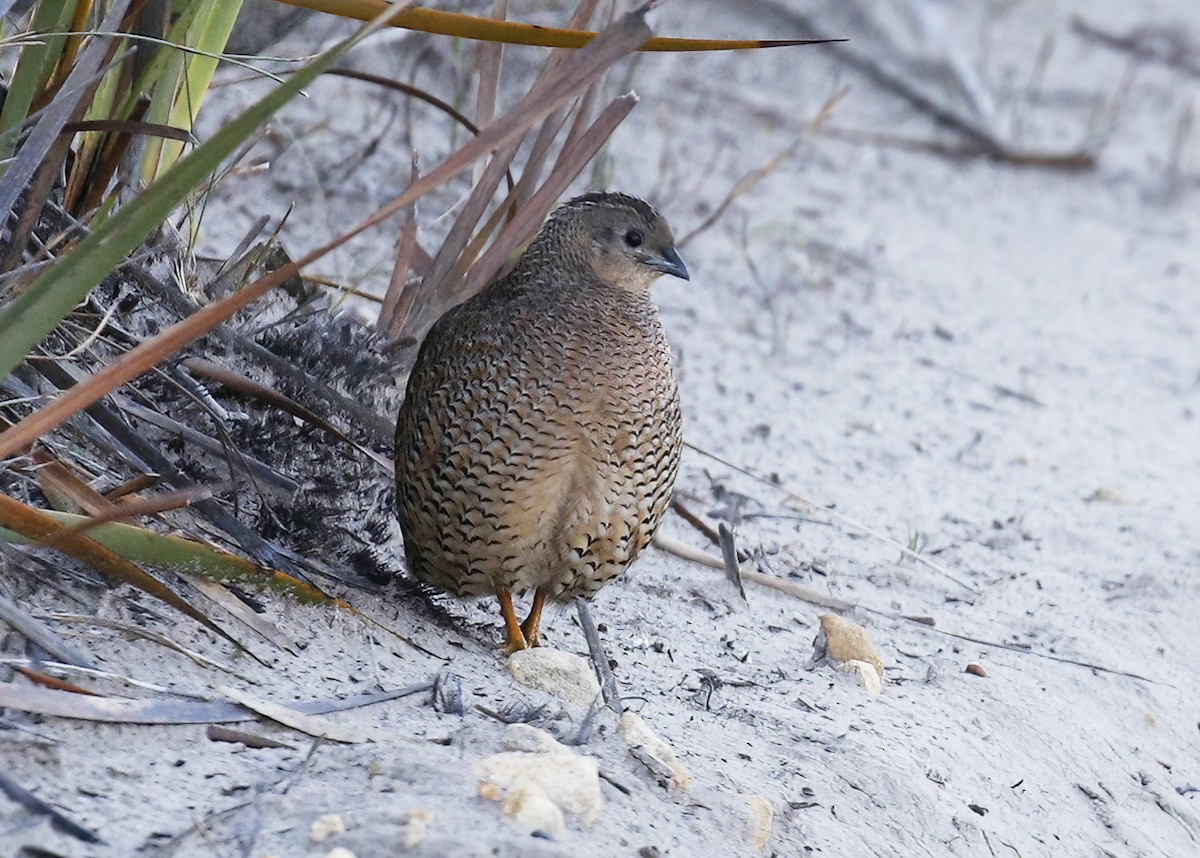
1003,360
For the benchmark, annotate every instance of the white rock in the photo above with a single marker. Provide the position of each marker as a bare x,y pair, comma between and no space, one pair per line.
417,827
325,827
762,821
534,812
845,642
654,751
340,852
865,673
563,674
570,781
525,737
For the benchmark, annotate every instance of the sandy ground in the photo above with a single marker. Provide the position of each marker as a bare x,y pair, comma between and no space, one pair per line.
995,363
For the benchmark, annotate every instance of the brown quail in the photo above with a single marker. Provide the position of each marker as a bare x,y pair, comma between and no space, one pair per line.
540,434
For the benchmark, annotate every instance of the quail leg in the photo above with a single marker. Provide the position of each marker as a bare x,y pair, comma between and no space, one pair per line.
529,628
515,638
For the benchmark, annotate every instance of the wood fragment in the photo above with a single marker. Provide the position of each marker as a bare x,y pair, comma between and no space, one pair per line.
608,682
33,804
47,681
226,734
34,631
104,674
154,637
127,710
313,725
729,555
696,555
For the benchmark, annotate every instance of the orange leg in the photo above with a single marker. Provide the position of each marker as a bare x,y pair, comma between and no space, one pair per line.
515,638
529,628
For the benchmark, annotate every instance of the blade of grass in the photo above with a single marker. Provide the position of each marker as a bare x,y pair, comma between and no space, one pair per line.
397,301
199,71
130,508
37,525
256,468
36,165
313,725
513,33
32,153
129,126
146,634
442,285
617,41
47,681
127,710
237,609
79,19
12,614
540,150
137,545
34,67
248,387
488,76
36,311
268,553
63,489
416,92
430,301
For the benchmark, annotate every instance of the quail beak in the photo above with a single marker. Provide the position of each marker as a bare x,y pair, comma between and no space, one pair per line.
669,263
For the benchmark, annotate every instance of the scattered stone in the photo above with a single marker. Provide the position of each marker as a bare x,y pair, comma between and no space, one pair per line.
976,669
866,675
534,812
563,674
537,788
325,827
762,820
1107,494
531,740
843,642
340,852
313,725
654,752
417,822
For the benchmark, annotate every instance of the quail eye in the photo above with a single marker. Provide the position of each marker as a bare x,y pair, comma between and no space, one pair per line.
633,238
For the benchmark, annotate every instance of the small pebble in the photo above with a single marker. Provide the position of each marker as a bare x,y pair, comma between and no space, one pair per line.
563,674
843,641
325,827
654,752
762,820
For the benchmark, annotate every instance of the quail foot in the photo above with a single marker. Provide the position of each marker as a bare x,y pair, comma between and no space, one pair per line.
540,434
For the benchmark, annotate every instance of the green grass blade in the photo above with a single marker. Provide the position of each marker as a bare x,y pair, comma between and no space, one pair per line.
34,67
28,318
199,72
147,548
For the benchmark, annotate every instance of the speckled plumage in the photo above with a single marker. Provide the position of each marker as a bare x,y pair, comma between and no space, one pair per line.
540,434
